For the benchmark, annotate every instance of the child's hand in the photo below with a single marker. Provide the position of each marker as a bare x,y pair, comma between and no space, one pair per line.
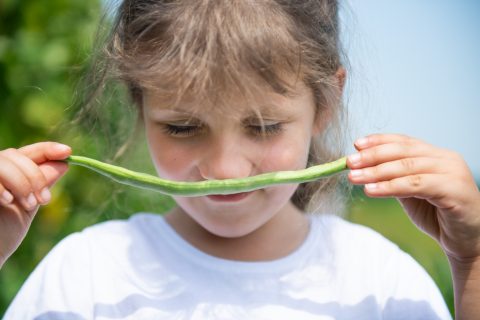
434,186
26,174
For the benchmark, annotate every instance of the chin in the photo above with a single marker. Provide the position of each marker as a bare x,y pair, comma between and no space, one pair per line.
231,233
233,227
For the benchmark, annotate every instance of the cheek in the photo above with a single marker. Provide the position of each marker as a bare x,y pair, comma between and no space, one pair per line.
171,160
289,155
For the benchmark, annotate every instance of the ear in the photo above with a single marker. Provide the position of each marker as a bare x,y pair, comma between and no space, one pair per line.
322,118
341,76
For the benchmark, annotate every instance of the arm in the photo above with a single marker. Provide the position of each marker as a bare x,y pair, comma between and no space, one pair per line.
466,283
437,190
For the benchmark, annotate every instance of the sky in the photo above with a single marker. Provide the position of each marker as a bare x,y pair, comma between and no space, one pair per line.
415,69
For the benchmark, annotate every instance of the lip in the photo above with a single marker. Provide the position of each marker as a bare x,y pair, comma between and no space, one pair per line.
229,197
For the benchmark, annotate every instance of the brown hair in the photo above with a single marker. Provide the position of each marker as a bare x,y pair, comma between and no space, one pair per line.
213,50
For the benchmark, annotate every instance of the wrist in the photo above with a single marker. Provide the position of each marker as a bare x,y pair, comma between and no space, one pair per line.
466,283
464,269
463,264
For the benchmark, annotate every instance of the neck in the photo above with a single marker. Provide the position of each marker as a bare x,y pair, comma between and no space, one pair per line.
277,238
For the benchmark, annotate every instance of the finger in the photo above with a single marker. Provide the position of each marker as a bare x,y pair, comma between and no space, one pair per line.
44,151
392,151
422,186
379,139
17,183
398,168
6,197
53,170
32,172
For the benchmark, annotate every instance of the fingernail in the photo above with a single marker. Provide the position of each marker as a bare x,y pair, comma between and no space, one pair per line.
371,186
7,197
31,201
354,158
362,142
61,147
45,195
356,173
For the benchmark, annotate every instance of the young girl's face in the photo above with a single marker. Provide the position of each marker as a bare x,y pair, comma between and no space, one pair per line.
227,142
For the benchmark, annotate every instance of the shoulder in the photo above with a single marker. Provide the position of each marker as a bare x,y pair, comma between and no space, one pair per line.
120,228
96,247
357,246
352,238
110,234
355,250
78,265
378,267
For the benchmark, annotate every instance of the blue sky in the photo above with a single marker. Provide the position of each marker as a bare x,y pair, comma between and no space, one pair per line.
415,69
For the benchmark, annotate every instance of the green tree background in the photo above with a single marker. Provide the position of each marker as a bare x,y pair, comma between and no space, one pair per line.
45,49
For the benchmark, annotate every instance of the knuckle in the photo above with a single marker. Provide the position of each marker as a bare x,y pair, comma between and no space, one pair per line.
46,145
373,172
408,164
407,142
374,138
38,179
389,185
367,173
18,184
371,156
22,189
415,181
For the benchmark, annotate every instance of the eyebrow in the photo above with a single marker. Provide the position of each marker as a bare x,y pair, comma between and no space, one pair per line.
154,111
264,109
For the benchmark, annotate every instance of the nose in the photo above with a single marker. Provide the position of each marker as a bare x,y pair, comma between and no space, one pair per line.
225,158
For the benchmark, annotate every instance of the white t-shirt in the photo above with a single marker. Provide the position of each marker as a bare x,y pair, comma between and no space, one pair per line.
141,269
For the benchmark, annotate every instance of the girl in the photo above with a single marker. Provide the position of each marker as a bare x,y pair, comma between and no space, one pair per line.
230,89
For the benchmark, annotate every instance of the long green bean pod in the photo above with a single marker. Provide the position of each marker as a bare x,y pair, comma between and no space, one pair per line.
208,187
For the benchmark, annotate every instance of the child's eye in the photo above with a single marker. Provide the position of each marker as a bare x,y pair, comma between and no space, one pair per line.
190,130
181,130
266,130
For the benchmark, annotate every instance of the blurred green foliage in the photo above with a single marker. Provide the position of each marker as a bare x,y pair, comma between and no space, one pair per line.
45,49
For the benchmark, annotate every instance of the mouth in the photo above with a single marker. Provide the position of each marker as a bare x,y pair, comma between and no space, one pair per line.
229,197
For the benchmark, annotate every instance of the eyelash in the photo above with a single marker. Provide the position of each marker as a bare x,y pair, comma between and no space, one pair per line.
175,130
267,130
186,131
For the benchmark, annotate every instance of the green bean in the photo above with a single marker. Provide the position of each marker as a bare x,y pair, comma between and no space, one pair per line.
208,187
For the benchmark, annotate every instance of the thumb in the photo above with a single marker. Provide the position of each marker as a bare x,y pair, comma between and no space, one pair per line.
44,151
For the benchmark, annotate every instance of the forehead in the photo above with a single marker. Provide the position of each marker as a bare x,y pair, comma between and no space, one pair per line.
263,103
